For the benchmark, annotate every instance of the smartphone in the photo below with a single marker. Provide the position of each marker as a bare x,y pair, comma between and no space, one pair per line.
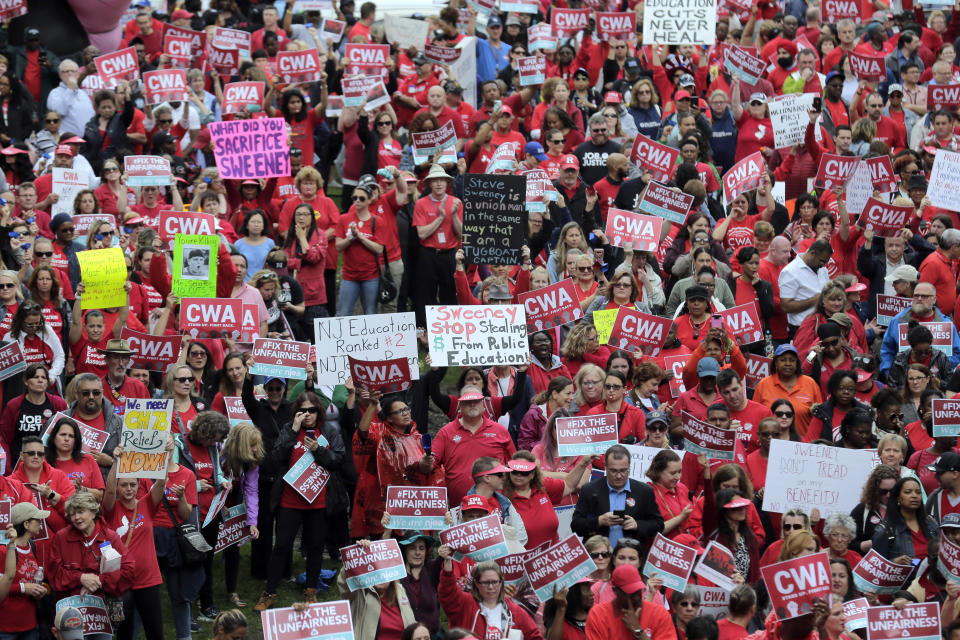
496,105
818,104
312,433
716,321
426,441
598,255
620,513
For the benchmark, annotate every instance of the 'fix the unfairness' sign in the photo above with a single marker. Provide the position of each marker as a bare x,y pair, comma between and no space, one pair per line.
700,436
146,427
421,508
664,202
559,566
307,477
250,149
147,170
280,358
319,621
919,621
671,561
946,417
480,539
376,563
586,435
877,574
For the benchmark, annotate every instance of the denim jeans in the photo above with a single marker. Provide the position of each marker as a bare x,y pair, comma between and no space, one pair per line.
350,290
33,634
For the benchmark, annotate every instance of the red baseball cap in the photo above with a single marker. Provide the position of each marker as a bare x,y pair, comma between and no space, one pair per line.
474,502
505,108
181,14
627,579
570,161
64,149
680,95
613,96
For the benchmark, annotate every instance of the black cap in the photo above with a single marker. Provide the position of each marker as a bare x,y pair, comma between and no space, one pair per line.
916,181
162,137
450,86
696,291
948,461
632,65
420,59
31,33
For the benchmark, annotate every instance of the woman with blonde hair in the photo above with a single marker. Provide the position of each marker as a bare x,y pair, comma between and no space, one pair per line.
622,289
585,277
229,625
582,346
571,237
645,108
589,385
864,131
556,93
798,544
100,234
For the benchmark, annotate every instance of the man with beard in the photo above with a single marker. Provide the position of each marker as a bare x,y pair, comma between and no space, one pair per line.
786,55
618,167
93,410
923,309
121,386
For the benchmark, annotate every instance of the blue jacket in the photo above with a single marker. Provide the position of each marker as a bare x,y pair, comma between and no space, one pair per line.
647,120
723,142
890,346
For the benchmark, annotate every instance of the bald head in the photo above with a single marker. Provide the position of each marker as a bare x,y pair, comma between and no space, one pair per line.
779,251
618,166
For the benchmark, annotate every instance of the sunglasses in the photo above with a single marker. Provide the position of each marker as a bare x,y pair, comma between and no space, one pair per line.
7,285
308,410
600,554
52,120
385,123
184,379
65,229
783,414
32,454
658,427
560,141
884,492
359,199
521,473
95,393
110,169
795,526
165,121
198,354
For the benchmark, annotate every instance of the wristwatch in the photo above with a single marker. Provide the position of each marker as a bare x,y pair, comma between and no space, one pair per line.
638,633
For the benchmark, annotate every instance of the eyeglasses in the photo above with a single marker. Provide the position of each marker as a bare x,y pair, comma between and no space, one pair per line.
590,383
32,454
32,325
600,554
618,472
783,414
309,410
170,121
198,354
560,141
921,296
585,269
769,434
359,199
920,379
623,285
643,92
596,131
43,254
95,393
7,285
796,526
184,379
51,120
398,412
688,604
620,46
489,583
711,285
612,387
523,474
110,169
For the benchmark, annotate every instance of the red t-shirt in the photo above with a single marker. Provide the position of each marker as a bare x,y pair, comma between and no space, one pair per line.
516,137
18,612
186,417
205,471
302,133
750,418
182,477
32,76
359,263
8,318
426,210
52,318
86,357
740,233
36,350
290,499
131,388
752,134
482,157
147,571
385,208
539,518
87,470
730,630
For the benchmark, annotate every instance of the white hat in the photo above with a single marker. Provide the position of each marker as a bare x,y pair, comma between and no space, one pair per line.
903,272
436,171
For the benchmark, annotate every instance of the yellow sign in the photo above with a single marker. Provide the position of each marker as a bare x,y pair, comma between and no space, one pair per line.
103,272
603,321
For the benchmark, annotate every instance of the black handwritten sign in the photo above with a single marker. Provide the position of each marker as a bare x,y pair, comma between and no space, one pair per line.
494,218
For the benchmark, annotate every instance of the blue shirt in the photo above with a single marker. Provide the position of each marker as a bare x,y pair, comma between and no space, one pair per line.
618,502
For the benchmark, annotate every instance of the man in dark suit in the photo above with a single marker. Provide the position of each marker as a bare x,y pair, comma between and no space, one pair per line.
604,498
880,257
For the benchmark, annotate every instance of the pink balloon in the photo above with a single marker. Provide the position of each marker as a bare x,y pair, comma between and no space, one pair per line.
102,21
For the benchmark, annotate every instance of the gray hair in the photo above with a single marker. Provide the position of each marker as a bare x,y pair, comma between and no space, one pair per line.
841,520
950,238
689,593
67,63
597,118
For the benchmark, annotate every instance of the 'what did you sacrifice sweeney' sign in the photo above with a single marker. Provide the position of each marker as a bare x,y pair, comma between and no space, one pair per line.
251,149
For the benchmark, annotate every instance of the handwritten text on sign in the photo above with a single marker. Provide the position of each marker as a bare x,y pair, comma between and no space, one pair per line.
586,435
146,428
250,149
103,272
944,189
690,22
480,335
494,218
380,562
421,508
814,476
376,337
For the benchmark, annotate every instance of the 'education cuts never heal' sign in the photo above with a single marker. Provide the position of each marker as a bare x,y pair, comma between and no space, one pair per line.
251,149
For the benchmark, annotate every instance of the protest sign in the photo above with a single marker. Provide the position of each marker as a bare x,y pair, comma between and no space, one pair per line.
603,321
626,226
885,220
664,202
251,149
299,66
368,59
538,185
480,539
889,307
477,335
147,170
10,9
567,22
532,70
504,158
671,561
649,155
91,439
219,501
377,563
494,218
857,191
813,476
442,55
119,66
948,560
879,575
179,50
867,67
634,330
238,96
919,621
195,266
512,565
236,412
834,170
541,37
552,306
382,336
794,584
307,477
855,612
558,566
946,417
758,368
165,85
233,529
743,322
210,317
198,39
942,336
93,610
405,32
11,360
699,436
836,10
249,323
640,457
744,176
318,621
714,601
717,565
386,376
67,183
749,68
421,508
103,272
666,22
5,506
146,428
675,364
191,224
881,173
788,114
431,142
232,39
225,60
151,352
370,88
82,222
586,435
944,188
616,24
280,358
943,96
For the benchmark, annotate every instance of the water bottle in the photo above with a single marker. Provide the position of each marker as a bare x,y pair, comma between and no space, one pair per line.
768,343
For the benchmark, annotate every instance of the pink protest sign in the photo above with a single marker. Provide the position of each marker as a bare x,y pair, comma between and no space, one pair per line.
250,149
386,376
616,24
834,170
743,176
920,621
480,539
307,477
634,330
210,317
232,39
658,159
118,66
794,584
237,96
743,323
551,306
147,170
885,220
586,435
700,436
740,62
566,22
879,575
151,352
671,561
298,66
320,621
881,173
422,508
675,365
867,67
367,58
626,226
377,563
441,55
173,222
236,412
